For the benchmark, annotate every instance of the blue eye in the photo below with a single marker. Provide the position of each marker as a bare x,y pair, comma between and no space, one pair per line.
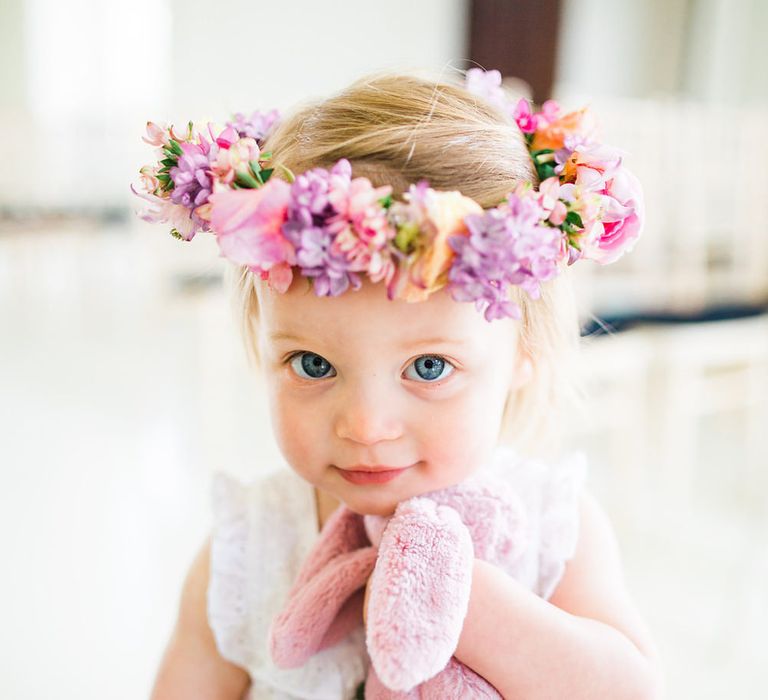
313,365
430,367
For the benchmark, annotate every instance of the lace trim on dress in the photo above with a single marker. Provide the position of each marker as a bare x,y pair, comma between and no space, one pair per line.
261,534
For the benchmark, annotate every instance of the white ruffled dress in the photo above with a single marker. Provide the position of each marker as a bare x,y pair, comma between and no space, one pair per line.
263,531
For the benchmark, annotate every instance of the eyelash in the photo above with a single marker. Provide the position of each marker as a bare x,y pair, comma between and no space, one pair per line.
447,362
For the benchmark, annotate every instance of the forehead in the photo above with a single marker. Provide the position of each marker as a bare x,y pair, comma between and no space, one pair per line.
368,317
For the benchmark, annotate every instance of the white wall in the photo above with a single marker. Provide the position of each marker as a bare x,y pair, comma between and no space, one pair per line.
708,50
90,74
283,52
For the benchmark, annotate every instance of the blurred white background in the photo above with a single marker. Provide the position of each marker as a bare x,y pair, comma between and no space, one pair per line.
123,384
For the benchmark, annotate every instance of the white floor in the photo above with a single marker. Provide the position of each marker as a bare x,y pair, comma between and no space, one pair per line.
120,393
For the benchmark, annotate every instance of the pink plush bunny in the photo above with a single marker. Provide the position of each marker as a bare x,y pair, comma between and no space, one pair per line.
421,558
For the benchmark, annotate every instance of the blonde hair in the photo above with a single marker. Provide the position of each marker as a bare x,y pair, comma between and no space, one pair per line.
398,129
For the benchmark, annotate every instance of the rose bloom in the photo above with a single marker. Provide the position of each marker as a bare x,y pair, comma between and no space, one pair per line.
445,212
622,223
359,380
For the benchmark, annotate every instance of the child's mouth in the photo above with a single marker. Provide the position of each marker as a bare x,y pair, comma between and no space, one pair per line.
371,475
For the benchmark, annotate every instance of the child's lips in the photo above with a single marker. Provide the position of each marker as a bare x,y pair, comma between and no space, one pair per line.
378,474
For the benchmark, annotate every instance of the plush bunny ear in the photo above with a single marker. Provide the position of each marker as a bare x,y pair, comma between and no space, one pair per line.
322,606
419,593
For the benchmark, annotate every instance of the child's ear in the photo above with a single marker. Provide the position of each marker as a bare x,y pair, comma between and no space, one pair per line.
523,371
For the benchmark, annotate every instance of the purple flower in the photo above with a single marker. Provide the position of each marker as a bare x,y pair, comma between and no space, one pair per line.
508,245
311,216
256,126
191,177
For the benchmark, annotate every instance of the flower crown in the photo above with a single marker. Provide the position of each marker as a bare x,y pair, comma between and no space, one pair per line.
334,227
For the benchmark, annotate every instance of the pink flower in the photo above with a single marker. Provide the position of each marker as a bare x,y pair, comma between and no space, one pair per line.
591,165
524,118
162,211
549,201
621,222
361,229
550,112
234,158
156,135
227,137
279,276
487,84
247,225
148,179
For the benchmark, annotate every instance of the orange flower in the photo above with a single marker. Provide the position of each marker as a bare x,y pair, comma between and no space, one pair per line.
553,134
444,212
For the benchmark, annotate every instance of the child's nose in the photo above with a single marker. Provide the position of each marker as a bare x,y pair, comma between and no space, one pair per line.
367,415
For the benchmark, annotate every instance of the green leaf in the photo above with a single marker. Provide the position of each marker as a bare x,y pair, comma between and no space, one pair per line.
176,234
169,162
574,218
255,167
541,152
246,180
265,156
386,202
175,147
166,183
266,174
545,170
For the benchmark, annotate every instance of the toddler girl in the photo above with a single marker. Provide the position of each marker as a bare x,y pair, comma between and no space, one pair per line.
388,385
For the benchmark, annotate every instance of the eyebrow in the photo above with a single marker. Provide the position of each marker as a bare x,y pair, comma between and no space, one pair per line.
283,335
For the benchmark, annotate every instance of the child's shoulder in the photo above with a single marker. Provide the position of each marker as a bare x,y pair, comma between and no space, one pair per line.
267,521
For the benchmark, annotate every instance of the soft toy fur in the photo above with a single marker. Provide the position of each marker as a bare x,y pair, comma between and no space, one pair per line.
421,558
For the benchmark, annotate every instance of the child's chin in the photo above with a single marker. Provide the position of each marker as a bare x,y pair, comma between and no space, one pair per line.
372,505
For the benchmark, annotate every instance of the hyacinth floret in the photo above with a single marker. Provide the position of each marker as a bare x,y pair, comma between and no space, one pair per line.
257,126
308,227
508,245
192,183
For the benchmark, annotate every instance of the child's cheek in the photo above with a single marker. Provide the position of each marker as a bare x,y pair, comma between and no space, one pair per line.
296,431
467,436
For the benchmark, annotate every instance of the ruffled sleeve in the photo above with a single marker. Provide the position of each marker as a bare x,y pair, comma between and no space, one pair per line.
550,492
561,488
